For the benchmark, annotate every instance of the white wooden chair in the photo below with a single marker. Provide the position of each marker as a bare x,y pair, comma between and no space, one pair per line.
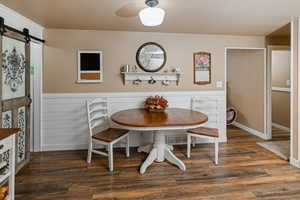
204,132
101,132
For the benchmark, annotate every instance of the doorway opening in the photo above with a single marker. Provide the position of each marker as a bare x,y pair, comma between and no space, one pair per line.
279,92
259,90
246,89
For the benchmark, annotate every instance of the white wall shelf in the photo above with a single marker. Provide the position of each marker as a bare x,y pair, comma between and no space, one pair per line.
146,76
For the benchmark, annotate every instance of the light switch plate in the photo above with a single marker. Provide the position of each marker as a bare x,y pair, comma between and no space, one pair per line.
219,84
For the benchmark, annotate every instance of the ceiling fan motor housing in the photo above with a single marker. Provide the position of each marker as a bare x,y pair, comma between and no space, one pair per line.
152,3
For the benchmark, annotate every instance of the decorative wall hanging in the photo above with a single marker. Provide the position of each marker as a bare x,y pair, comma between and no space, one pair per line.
151,57
202,68
90,67
13,68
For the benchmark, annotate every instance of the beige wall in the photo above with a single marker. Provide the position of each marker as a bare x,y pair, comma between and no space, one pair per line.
119,48
245,70
281,61
281,108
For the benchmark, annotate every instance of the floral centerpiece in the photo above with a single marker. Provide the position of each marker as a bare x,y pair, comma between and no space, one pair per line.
156,104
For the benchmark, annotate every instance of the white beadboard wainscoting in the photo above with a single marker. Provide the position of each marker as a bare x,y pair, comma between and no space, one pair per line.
64,121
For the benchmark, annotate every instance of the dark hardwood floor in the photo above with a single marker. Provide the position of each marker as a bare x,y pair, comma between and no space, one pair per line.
246,171
279,135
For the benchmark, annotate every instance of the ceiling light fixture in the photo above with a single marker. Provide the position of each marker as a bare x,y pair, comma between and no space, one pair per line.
152,16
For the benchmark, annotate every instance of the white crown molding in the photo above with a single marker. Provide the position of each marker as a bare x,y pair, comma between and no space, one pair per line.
18,21
250,130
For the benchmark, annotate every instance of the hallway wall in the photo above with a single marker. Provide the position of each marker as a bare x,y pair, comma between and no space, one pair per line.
245,76
281,61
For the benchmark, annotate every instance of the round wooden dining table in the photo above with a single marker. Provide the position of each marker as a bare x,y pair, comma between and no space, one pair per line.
158,123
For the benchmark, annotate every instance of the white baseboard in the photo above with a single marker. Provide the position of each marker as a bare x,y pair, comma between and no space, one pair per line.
275,149
294,162
64,147
250,130
281,127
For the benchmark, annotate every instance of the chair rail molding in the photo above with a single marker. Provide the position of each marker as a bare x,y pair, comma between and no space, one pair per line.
65,125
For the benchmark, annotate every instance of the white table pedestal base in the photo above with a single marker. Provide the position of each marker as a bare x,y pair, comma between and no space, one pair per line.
158,152
147,148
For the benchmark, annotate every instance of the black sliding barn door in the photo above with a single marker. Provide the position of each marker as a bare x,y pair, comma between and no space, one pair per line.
15,91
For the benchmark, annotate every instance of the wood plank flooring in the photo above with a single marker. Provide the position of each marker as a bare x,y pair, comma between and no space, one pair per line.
280,143
279,135
246,171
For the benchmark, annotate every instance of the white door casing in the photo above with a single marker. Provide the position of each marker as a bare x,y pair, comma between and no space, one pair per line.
269,86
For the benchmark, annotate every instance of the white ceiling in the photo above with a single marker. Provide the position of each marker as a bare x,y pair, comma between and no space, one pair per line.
235,17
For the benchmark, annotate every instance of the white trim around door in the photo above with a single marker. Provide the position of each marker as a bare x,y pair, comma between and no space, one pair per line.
37,89
269,86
